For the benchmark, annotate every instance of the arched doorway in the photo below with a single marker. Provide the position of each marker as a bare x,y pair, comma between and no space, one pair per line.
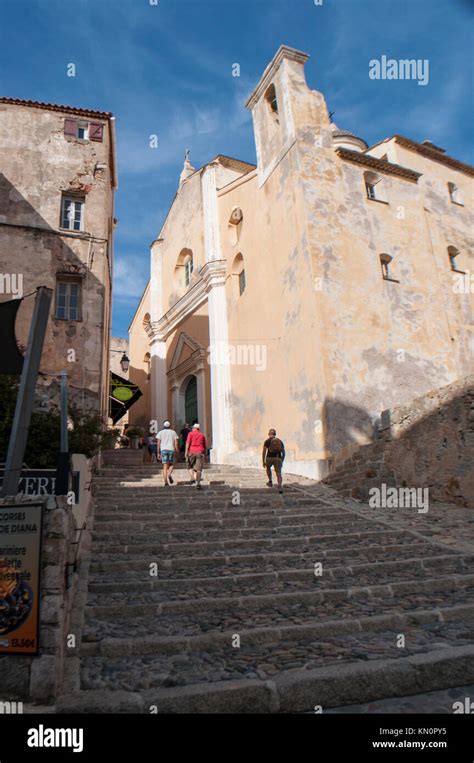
191,401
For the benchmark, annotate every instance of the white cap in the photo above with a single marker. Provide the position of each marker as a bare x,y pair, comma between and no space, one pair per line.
166,423
196,426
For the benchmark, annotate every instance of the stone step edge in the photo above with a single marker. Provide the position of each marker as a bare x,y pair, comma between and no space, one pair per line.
112,647
216,523
291,692
107,565
133,532
233,512
256,601
291,574
302,539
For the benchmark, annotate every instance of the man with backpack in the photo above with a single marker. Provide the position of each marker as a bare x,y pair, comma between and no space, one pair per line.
273,454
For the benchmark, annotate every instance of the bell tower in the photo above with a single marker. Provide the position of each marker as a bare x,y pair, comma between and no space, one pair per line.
281,104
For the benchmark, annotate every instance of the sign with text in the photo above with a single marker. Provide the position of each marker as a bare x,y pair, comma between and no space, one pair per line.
20,560
40,482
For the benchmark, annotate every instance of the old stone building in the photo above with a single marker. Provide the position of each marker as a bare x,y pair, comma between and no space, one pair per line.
310,292
57,182
140,361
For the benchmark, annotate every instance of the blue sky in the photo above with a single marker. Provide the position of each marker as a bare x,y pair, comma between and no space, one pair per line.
166,69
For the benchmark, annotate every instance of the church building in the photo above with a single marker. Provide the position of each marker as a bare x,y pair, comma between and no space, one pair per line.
309,293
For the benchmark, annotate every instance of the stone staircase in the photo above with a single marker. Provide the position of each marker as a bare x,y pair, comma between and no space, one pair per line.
240,618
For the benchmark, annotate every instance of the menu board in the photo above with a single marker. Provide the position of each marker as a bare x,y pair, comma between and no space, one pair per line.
20,565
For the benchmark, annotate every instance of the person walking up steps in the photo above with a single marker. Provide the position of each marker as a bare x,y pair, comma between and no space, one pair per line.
152,449
273,454
184,436
196,448
167,442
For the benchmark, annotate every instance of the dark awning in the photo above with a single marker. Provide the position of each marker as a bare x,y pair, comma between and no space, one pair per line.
11,359
123,394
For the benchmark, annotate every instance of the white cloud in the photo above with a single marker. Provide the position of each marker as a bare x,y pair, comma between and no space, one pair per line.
131,275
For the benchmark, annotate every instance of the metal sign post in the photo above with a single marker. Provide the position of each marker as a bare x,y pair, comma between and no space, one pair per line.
62,475
26,393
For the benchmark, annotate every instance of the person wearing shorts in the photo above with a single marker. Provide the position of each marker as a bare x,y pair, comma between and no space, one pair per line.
196,447
168,449
152,449
273,455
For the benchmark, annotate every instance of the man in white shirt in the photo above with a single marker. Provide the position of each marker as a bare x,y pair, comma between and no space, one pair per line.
167,441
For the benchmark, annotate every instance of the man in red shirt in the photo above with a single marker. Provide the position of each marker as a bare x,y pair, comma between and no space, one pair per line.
196,448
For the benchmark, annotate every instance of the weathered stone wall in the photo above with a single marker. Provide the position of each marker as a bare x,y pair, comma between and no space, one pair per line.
38,164
428,443
42,678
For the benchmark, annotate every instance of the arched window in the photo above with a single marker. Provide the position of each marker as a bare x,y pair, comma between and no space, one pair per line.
238,275
455,194
385,262
146,320
272,101
455,259
183,270
374,187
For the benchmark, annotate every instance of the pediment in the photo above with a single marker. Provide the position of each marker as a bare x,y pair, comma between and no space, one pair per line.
185,347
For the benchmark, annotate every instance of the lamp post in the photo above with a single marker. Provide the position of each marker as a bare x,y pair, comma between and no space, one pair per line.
125,363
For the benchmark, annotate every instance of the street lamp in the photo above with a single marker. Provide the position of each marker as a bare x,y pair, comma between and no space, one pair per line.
125,363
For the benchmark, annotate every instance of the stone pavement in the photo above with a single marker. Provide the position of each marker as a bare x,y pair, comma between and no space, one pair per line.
260,602
431,703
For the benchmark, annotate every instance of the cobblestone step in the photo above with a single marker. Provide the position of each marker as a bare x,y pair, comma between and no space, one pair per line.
255,612
177,553
247,574
213,509
340,540
190,523
138,567
227,581
137,664
447,584
309,528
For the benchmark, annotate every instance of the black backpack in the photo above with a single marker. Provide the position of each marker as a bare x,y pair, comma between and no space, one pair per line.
275,447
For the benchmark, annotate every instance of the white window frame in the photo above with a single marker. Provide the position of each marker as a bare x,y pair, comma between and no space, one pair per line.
374,193
370,190
81,125
66,217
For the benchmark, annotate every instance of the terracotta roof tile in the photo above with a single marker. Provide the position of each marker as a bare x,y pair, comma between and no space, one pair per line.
57,107
378,164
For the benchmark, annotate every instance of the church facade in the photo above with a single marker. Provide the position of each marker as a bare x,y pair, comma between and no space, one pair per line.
310,292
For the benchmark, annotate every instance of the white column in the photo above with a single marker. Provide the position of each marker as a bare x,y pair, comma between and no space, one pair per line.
214,276
222,423
202,408
159,382
212,239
